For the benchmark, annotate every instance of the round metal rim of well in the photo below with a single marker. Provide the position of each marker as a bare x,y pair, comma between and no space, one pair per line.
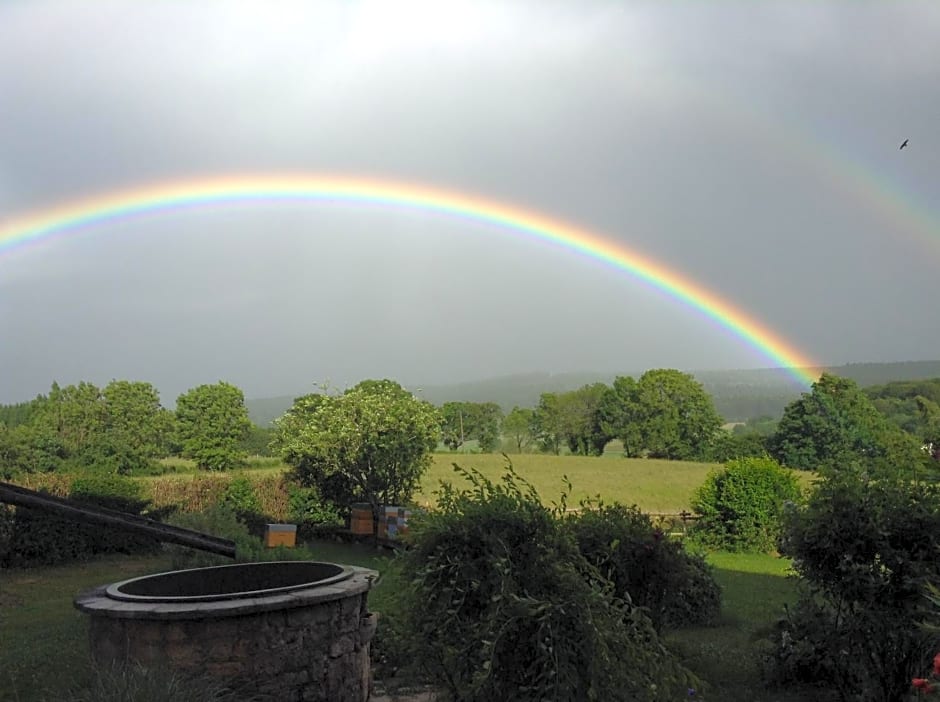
113,591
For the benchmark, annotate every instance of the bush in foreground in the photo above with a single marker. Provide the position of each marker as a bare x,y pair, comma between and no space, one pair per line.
30,537
502,605
865,550
740,505
646,568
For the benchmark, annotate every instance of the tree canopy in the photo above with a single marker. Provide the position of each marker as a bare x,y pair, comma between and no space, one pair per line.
371,444
836,426
466,421
212,422
665,414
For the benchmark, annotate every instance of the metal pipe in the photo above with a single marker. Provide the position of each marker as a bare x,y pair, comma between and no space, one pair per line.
22,497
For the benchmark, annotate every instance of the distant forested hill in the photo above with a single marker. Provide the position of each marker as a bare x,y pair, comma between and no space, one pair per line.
738,394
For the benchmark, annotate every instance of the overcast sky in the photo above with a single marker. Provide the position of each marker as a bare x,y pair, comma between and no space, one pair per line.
752,147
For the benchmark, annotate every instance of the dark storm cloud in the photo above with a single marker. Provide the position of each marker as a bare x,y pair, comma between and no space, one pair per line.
669,127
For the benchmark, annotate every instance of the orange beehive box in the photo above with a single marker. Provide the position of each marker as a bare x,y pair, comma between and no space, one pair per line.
360,519
280,535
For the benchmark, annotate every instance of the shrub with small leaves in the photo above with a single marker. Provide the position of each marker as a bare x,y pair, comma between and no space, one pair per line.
224,523
503,606
740,505
41,538
865,551
645,566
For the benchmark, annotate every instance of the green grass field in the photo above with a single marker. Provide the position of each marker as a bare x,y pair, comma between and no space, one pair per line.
653,485
44,650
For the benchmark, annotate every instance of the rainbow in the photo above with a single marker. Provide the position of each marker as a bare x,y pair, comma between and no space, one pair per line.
112,206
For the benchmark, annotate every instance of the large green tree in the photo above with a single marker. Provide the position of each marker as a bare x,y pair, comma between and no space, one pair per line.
618,416
517,427
677,417
581,421
212,421
373,442
548,423
835,426
135,418
465,421
665,414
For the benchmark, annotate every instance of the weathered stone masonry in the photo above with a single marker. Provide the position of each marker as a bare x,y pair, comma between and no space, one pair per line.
305,645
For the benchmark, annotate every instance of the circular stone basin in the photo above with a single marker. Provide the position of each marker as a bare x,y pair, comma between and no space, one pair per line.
228,582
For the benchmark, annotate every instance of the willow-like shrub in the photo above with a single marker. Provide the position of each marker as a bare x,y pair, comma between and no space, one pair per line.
503,606
646,567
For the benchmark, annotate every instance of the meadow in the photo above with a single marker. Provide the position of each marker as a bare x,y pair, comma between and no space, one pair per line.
656,486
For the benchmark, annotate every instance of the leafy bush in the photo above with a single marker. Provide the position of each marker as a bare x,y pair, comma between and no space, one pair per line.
503,606
224,523
239,496
105,454
312,515
740,505
109,491
647,568
40,538
865,551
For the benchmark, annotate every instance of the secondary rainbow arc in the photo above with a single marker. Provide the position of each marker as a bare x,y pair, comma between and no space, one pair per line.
77,215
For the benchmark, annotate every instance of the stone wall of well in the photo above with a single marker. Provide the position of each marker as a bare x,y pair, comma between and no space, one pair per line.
314,649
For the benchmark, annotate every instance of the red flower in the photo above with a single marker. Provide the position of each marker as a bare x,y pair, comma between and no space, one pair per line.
936,664
922,684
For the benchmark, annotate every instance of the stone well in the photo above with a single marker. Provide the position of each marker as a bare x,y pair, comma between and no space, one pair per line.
287,630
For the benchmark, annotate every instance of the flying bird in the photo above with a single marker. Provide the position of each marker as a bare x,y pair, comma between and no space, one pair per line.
904,144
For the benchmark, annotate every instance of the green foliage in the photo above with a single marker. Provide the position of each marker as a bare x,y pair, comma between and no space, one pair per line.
503,606
223,522
517,426
548,424
864,549
465,421
257,441
913,406
133,681
310,512
580,421
212,422
646,567
764,425
135,419
38,538
30,449
836,427
370,444
121,429
618,415
110,491
741,504
16,414
240,496
731,445
665,414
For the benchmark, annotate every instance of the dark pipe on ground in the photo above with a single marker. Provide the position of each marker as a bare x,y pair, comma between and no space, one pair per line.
22,497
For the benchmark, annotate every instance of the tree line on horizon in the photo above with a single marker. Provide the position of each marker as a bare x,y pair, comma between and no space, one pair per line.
123,428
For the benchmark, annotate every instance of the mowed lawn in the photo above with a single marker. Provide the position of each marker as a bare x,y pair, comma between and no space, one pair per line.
44,645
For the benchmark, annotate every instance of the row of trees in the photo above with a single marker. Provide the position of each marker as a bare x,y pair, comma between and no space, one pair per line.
123,428
663,414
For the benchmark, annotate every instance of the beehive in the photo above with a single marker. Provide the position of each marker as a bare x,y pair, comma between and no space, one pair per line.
280,535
